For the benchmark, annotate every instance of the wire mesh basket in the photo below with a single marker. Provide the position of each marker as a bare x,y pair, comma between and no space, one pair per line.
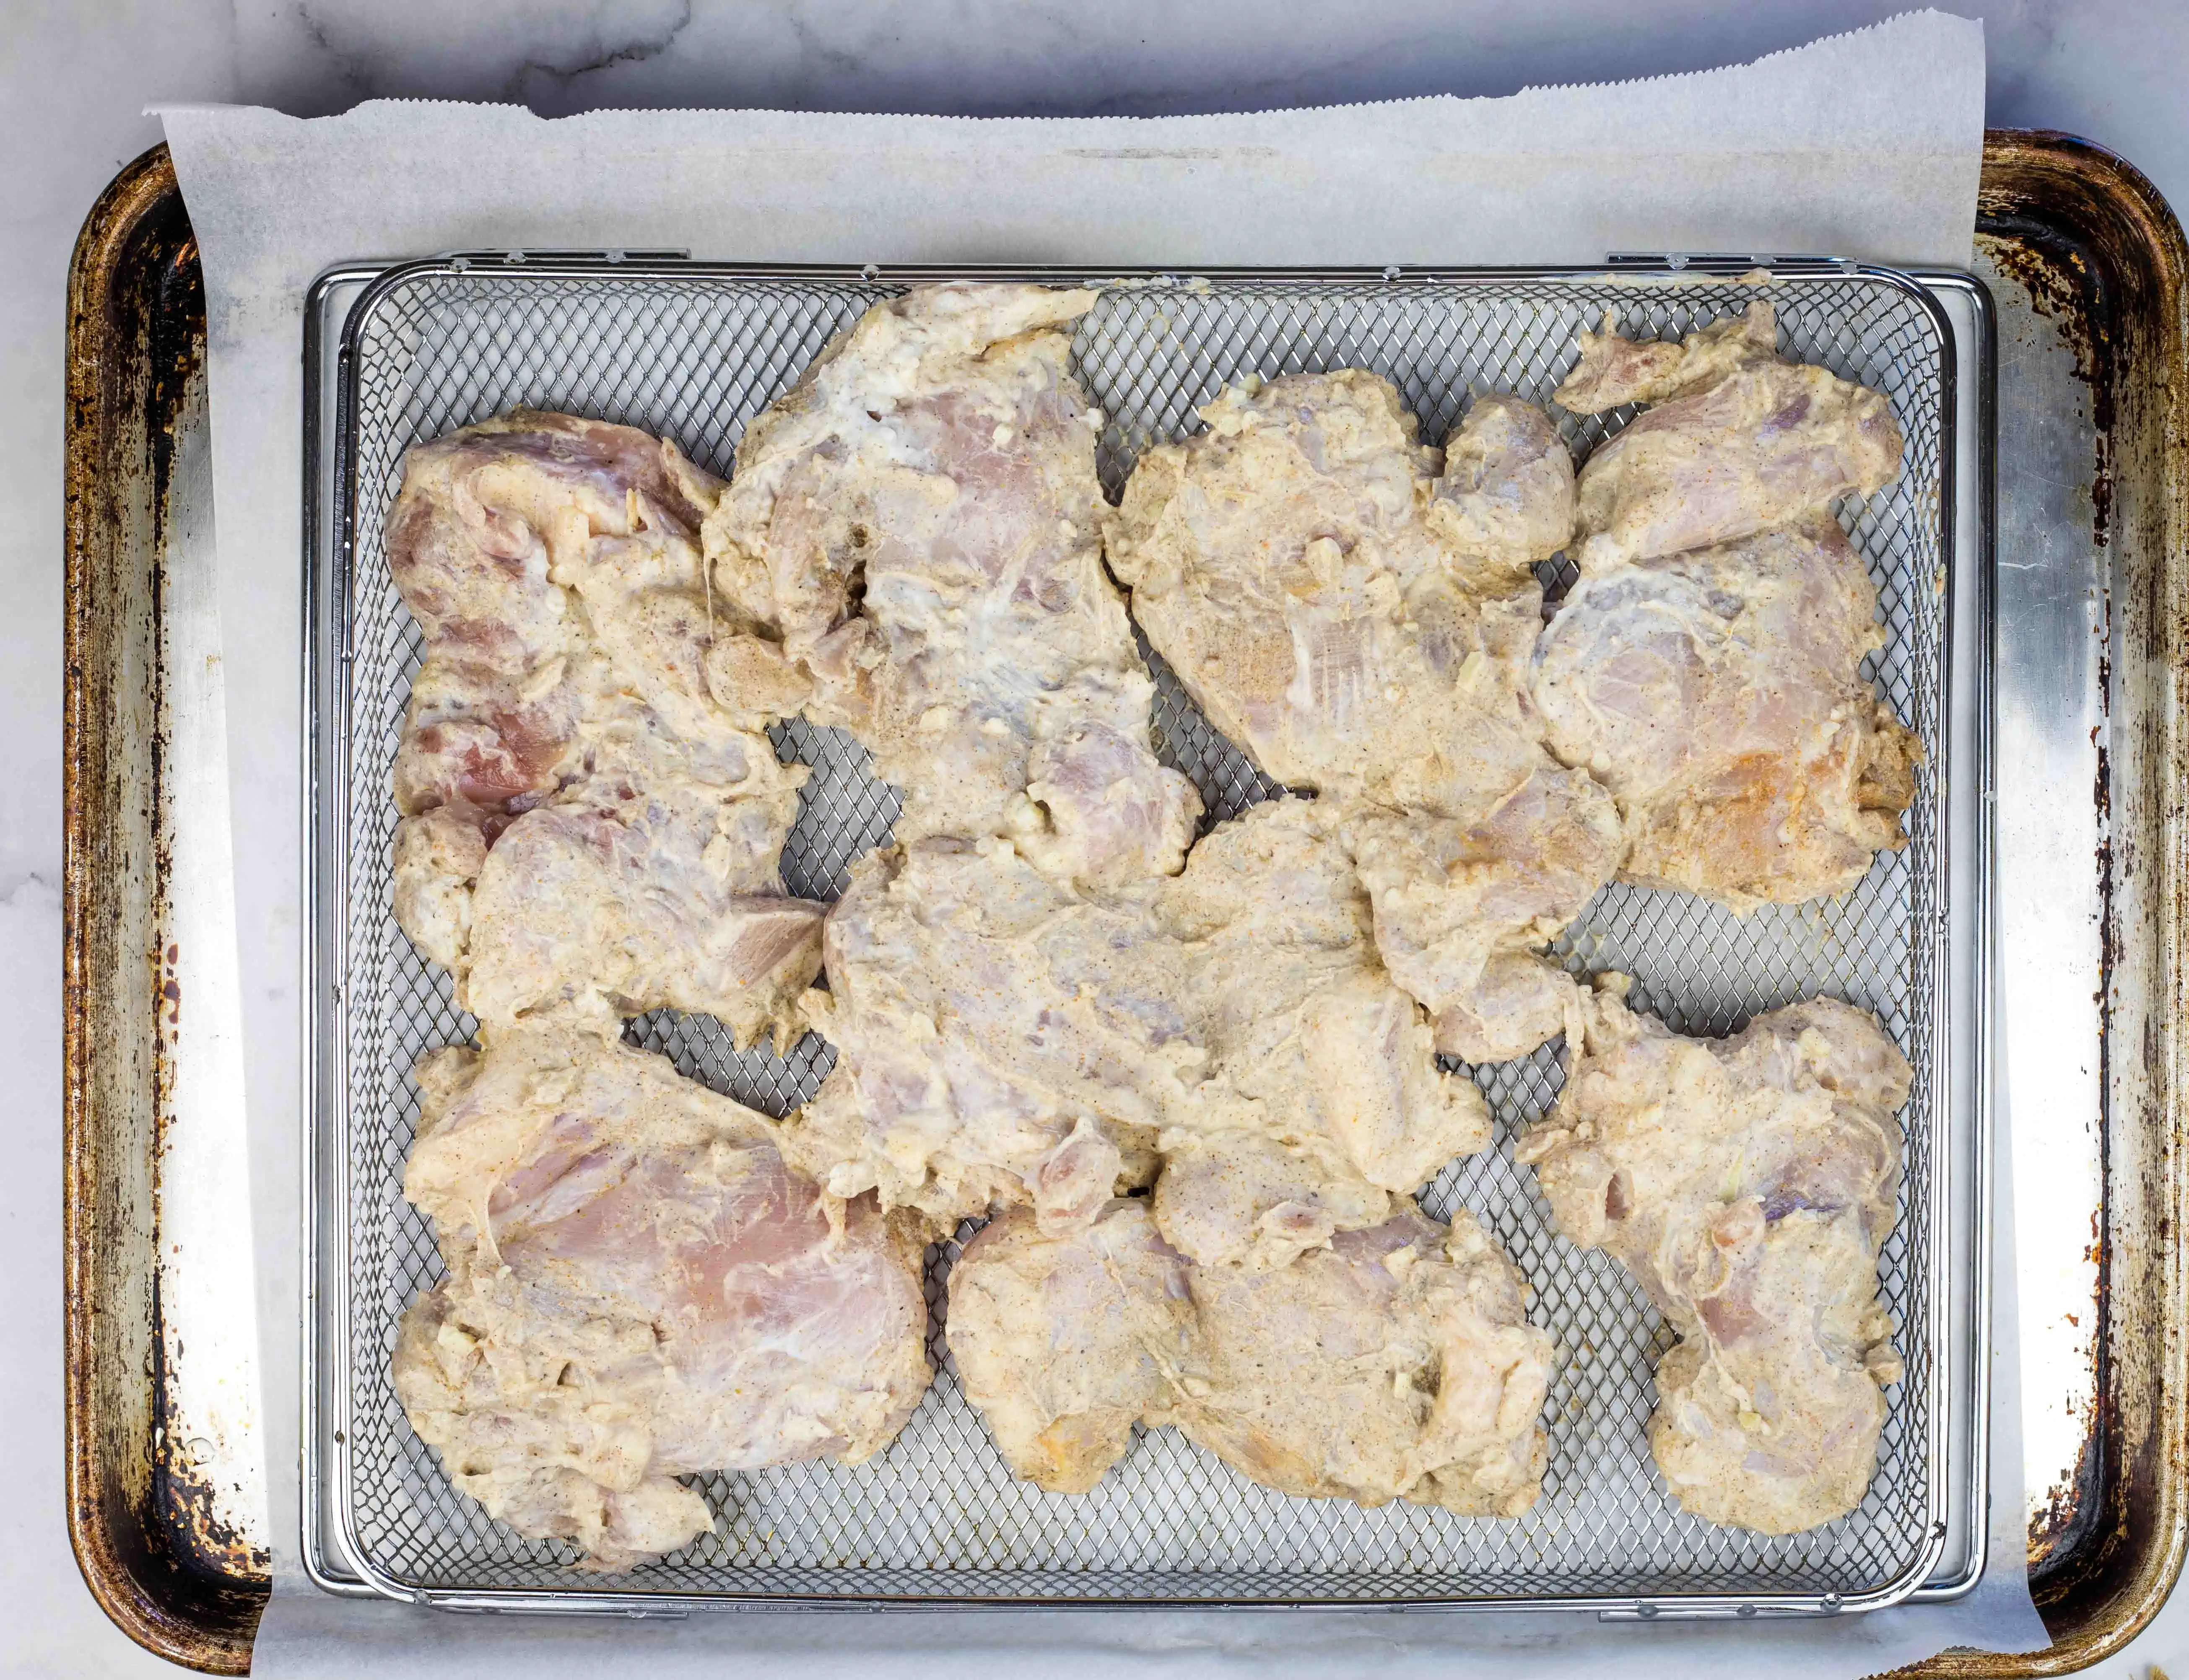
694,353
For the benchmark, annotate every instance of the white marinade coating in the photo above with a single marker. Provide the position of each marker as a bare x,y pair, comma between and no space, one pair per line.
1748,1184
639,1289
592,816
919,515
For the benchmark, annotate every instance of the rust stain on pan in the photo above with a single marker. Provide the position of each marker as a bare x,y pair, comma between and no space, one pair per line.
2102,255
156,1558
2065,287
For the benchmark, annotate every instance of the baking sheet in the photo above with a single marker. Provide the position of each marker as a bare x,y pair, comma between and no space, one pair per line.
1868,143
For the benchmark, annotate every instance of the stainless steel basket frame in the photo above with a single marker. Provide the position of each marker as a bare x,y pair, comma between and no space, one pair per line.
1955,1318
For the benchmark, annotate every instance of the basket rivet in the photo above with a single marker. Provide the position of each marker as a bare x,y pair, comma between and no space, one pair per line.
1391,272
1745,1610
872,271
1645,1611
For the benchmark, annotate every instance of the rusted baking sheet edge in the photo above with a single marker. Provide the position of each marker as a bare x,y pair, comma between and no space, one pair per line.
2104,257
140,1522
2101,226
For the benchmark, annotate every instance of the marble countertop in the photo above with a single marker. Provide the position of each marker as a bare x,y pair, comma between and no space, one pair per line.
78,73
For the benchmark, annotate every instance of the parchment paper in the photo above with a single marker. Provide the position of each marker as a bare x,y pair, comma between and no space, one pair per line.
1866,145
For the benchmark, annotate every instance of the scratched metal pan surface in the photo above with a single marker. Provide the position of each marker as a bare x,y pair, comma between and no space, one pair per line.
2091,276
167,1496
693,351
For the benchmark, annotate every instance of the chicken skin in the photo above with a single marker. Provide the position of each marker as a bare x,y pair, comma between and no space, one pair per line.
1748,1184
593,817
1737,441
639,1288
1396,1362
1357,612
1718,693
920,515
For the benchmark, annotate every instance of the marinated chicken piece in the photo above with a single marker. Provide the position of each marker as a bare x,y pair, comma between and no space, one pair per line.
999,1040
639,1289
1242,1198
1738,442
1748,1184
670,897
1396,1363
592,817
1719,695
1614,371
1362,626
919,513
1311,1046
1301,568
1064,1342
1461,906
1505,500
1003,1040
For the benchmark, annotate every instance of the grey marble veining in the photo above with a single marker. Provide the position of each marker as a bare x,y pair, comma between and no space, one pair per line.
77,74
1130,58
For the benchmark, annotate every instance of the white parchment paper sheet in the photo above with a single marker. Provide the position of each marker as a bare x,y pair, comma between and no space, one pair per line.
1866,145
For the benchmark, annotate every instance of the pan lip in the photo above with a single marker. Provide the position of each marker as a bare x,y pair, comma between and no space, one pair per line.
176,1608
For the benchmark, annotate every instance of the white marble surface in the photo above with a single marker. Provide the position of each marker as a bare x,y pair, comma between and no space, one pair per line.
76,74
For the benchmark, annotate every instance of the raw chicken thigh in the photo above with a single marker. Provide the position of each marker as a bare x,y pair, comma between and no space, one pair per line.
1748,1184
1707,665
592,816
998,1039
1463,905
1320,1090
1738,442
639,1289
919,515
1005,1041
1395,1363
1295,563
1361,626
1065,1341
1718,693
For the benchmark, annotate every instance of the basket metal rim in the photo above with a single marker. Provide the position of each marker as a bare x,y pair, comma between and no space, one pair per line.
327,697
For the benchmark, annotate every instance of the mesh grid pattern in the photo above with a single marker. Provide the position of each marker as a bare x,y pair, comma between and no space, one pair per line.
937,1514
